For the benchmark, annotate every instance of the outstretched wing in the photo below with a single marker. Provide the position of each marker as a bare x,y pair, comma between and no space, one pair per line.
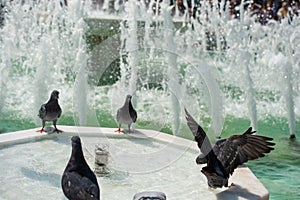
199,134
238,149
78,187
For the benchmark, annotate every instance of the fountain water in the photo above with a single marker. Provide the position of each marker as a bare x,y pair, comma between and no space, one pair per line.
4,76
171,56
132,45
80,96
250,93
215,66
43,50
156,53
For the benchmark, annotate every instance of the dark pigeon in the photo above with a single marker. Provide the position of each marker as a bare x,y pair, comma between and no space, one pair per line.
50,111
227,154
126,114
78,180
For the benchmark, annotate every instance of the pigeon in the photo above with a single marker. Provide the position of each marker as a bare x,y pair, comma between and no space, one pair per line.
126,114
78,180
227,154
50,111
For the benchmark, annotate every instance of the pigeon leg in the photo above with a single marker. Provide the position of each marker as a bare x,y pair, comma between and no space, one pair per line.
119,129
230,186
56,129
129,131
42,129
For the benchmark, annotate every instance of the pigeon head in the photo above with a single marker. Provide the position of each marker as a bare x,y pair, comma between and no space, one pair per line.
76,141
55,94
128,97
77,154
201,159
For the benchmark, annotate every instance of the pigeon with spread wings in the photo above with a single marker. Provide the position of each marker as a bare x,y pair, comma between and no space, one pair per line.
227,154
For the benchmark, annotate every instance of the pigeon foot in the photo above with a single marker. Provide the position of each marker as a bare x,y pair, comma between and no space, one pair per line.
230,186
119,131
58,131
130,131
42,130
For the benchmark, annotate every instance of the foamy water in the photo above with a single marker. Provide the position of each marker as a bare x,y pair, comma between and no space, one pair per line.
33,170
246,76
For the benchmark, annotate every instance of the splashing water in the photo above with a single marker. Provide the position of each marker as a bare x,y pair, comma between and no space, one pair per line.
217,67
213,65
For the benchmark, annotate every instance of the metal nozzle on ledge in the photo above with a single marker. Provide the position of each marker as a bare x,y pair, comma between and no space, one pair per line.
101,160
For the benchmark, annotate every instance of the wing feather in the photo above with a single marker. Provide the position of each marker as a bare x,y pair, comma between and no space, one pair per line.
132,112
42,111
238,149
199,134
78,187
59,112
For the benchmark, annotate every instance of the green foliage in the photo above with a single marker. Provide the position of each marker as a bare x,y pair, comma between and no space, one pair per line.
105,119
66,119
9,123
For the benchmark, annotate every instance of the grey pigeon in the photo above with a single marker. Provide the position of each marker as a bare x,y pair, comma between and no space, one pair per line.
78,180
50,111
227,154
126,114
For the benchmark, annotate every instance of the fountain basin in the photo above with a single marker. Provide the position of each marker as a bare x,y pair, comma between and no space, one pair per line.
32,164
